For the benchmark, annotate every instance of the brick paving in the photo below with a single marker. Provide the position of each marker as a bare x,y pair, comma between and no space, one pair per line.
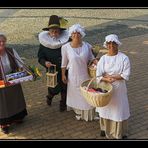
44,122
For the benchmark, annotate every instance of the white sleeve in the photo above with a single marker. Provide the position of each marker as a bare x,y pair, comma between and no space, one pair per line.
64,57
126,69
91,56
18,57
100,69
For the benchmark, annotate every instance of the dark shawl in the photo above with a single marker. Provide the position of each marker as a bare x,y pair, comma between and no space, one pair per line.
13,63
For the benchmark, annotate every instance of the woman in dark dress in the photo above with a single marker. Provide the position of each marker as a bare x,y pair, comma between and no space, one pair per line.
12,102
51,40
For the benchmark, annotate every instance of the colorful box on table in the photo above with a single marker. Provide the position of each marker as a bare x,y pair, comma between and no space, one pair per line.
19,77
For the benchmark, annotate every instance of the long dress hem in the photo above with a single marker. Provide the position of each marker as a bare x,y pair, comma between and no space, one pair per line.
12,103
113,129
87,115
17,116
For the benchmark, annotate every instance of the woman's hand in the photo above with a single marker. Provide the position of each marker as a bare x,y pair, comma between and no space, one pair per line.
64,79
108,78
116,77
95,61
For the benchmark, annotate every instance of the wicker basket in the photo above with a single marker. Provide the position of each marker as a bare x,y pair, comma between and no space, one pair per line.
91,72
96,99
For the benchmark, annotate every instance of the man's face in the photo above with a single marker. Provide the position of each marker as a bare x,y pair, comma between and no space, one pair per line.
54,32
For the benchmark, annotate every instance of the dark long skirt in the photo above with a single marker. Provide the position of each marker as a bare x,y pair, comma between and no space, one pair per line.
12,104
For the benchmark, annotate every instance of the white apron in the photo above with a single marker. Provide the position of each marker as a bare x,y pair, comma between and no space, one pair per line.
77,73
118,107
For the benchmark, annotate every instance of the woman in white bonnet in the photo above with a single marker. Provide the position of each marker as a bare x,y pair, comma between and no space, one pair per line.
114,67
75,57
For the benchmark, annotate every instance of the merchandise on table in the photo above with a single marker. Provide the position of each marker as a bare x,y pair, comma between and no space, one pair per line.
19,77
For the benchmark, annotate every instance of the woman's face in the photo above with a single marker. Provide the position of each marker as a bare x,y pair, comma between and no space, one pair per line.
112,46
76,36
2,43
54,32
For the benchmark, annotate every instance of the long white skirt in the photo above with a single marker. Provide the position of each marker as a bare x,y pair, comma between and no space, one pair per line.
87,115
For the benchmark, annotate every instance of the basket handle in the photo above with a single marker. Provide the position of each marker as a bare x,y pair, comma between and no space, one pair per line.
91,82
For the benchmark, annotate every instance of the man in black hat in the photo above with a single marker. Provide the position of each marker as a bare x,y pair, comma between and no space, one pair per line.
51,40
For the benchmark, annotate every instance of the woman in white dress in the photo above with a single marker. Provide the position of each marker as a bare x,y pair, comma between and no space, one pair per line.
114,67
75,57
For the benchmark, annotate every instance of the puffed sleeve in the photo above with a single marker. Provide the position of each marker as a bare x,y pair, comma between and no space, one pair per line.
18,57
90,55
100,69
64,57
126,69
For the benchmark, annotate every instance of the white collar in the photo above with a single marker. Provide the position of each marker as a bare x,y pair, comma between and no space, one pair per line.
49,42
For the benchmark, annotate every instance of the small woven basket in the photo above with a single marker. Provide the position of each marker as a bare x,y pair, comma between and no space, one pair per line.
96,99
91,72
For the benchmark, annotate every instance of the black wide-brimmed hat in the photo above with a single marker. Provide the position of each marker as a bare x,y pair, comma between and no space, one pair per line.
54,22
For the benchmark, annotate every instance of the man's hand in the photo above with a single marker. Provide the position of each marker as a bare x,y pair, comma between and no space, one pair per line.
48,64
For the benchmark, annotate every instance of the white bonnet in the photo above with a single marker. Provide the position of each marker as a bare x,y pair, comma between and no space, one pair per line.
1,33
77,28
112,38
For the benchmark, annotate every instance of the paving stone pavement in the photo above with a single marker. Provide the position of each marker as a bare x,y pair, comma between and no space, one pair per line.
44,122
